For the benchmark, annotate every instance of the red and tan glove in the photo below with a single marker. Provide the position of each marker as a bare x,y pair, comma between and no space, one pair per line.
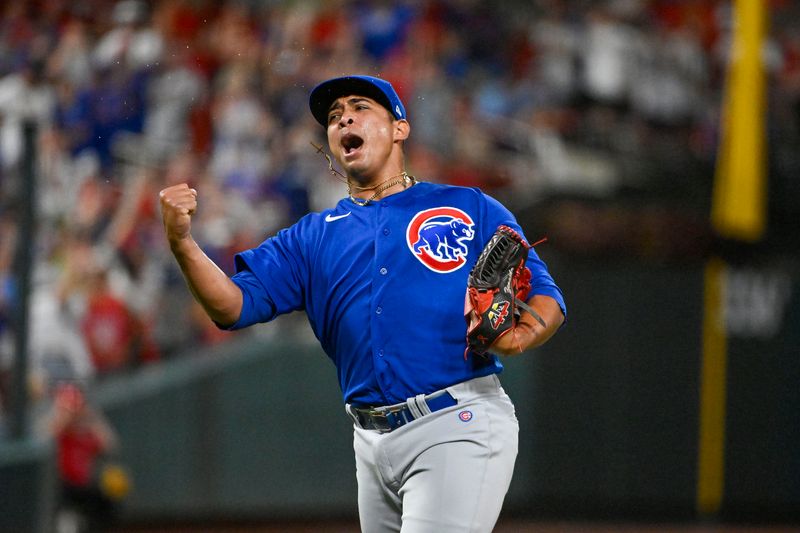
496,287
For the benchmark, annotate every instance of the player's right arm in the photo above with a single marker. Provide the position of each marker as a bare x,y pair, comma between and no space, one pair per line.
211,287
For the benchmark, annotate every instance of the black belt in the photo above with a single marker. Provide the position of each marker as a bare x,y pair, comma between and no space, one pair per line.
385,419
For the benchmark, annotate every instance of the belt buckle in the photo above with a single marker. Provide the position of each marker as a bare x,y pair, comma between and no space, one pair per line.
382,419
379,420
390,419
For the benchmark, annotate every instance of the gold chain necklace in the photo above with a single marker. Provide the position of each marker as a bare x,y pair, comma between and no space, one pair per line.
403,178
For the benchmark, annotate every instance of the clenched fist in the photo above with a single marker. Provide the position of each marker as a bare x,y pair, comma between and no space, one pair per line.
220,297
178,204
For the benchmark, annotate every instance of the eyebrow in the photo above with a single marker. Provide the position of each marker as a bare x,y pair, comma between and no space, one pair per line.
354,100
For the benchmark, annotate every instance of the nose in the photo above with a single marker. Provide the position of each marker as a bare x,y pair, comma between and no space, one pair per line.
346,119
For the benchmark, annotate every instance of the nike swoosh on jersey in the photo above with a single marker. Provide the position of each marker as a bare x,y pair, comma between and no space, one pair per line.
329,218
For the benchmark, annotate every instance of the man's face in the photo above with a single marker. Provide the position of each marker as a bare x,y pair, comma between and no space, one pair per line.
360,136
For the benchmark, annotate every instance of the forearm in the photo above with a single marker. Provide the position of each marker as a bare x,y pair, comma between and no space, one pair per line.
529,333
550,312
212,288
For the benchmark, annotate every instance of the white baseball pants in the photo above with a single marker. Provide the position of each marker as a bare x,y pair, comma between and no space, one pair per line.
448,471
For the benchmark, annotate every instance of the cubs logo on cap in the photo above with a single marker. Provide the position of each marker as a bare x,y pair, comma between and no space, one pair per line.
438,238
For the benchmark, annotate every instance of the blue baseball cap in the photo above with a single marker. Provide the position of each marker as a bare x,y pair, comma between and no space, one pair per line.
323,95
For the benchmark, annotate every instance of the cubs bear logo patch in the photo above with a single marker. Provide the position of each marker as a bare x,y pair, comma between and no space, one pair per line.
438,238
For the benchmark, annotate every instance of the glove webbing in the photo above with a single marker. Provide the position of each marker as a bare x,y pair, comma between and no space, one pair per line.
491,263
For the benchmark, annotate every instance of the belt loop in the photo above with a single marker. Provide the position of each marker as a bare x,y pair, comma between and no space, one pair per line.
422,405
416,412
452,392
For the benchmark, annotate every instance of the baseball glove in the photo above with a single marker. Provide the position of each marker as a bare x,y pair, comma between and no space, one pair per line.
496,287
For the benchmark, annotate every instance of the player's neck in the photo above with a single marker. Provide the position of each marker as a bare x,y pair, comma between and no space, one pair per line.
379,188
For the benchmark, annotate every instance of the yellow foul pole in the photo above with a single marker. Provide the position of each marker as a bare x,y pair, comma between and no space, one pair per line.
738,212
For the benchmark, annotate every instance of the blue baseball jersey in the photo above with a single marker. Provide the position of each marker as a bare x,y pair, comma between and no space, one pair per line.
383,286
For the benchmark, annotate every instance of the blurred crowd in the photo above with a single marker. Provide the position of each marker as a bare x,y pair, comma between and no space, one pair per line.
596,121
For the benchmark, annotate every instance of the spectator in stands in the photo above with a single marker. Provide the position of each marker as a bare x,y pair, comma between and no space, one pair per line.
25,96
114,335
90,490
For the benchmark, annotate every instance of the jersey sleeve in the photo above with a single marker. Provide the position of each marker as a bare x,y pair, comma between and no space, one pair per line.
542,282
271,277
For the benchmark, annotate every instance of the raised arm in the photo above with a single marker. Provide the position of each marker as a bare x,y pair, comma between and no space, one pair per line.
219,296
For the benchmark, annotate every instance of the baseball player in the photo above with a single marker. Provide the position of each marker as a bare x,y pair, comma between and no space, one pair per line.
382,277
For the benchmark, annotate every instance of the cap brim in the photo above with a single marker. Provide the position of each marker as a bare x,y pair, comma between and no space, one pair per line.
327,92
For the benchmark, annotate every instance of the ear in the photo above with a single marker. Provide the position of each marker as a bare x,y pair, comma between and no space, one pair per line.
402,129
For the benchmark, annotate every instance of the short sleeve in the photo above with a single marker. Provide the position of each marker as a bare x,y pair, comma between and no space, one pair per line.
271,277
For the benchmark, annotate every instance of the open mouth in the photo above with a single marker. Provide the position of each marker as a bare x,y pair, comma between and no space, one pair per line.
351,143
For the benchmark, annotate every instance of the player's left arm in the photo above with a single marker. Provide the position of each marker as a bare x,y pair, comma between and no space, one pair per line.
545,297
529,333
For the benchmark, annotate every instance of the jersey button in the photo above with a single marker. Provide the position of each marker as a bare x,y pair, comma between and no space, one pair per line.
380,353
384,271
386,231
379,310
